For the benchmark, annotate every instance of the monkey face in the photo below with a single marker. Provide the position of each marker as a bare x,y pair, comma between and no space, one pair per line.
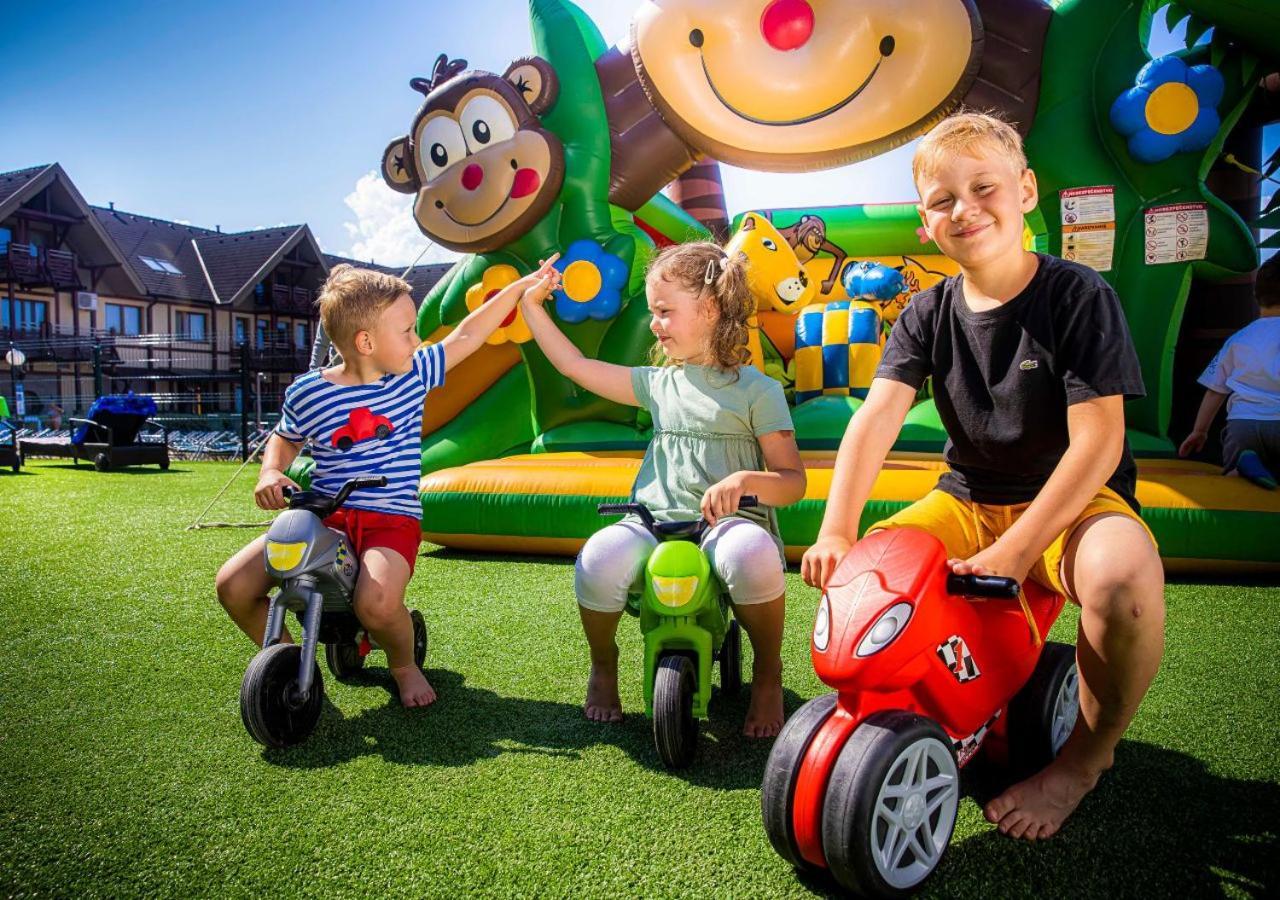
482,169
789,85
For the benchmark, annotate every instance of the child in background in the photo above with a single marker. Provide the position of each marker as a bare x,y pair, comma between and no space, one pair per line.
1246,376
721,430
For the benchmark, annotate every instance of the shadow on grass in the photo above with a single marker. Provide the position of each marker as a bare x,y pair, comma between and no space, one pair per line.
468,724
1159,824
139,469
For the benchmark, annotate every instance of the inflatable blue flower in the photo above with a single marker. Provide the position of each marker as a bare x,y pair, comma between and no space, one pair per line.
1171,108
592,283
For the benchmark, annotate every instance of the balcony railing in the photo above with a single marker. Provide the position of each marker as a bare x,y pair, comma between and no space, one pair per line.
28,264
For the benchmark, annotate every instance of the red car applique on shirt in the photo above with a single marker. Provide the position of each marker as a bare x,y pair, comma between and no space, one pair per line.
362,425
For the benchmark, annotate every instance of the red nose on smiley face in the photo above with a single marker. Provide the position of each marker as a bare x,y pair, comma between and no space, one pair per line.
787,24
472,176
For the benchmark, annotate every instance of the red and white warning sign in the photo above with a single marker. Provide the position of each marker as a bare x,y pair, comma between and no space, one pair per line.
1089,225
1177,232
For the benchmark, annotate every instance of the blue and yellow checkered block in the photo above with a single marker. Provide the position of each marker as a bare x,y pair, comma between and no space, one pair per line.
837,350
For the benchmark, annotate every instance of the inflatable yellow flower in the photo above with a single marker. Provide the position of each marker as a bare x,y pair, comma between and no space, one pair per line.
494,279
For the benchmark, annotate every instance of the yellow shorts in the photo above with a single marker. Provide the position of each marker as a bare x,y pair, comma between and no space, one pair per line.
965,527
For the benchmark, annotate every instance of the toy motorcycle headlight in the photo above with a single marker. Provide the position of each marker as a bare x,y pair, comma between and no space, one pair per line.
284,557
822,624
674,591
886,628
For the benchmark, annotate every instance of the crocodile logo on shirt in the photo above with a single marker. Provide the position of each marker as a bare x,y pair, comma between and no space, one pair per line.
1028,364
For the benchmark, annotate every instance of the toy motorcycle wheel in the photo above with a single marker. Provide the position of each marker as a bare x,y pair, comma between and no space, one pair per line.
675,730
1043,714
343,659
419,638
731,661
274,713
891,805
101,463
778,792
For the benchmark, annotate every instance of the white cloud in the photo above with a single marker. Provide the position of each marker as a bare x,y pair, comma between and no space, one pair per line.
384,230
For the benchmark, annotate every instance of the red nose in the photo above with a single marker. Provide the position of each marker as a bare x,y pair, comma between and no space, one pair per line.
472,175
787,24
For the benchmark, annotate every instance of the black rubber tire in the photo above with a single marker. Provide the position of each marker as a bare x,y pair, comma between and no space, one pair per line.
101,463
1031,710
778,791
343,659
164,465
267,715
419,638
675,730
731,661
849,806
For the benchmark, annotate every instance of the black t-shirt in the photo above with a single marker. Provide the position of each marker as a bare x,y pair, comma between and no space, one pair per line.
1003,378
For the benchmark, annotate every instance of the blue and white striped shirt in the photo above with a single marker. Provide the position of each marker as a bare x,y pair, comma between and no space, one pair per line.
366,429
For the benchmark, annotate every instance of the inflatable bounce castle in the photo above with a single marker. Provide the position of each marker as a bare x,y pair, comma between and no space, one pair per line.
570,151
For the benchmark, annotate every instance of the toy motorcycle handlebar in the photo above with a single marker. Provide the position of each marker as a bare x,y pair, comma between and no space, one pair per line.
322,504
693,529
997,587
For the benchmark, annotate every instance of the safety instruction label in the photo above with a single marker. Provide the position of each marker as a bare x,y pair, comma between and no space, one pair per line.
1089,225
1176,232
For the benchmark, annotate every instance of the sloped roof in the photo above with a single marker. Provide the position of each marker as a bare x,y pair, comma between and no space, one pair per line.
421,278
138,236
21,186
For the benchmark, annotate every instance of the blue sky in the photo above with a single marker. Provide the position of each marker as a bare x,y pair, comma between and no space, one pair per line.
248,115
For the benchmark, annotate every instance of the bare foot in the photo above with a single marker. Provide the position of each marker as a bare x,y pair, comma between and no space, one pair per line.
765,715
1036,808
603,703
415,690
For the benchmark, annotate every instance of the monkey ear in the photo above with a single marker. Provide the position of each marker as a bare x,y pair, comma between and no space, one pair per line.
397,167
536,82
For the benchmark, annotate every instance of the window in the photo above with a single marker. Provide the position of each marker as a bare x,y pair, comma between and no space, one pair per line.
242,331
160,265
190,325
300,335
28,315
123,319
262,333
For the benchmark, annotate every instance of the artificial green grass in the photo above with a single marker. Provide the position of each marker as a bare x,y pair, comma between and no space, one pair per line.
125,770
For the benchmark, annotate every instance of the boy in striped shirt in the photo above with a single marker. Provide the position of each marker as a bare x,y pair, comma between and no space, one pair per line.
364,417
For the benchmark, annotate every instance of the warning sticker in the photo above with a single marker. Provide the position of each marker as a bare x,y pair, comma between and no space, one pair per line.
1089,225
1174,233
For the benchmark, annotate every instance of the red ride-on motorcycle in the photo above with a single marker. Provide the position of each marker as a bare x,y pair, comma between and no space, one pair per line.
929,668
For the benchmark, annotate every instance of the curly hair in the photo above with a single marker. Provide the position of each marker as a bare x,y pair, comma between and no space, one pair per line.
689,266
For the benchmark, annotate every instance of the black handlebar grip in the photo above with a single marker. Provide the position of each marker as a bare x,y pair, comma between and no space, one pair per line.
995,586
746,501
613,509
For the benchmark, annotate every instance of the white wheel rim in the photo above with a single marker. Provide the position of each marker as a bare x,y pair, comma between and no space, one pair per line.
915,813
1066,706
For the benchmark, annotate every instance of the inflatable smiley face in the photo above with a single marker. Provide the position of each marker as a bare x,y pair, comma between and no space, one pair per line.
482,167
791,85
774,273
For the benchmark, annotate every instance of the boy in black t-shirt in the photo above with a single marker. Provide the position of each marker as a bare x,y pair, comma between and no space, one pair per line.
1031,363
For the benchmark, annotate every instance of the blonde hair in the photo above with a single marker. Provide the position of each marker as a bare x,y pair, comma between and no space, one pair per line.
963,133
703,268
352,299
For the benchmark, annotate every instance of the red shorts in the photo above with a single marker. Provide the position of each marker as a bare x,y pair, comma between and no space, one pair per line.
365,529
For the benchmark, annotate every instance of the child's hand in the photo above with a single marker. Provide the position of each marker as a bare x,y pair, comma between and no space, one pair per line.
998,559
269,494
721,499
819,562
537,286
1194,443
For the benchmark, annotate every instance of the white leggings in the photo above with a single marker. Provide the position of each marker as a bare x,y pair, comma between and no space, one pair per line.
743,555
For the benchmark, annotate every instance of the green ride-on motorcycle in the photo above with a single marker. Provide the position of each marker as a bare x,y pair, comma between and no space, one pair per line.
687,624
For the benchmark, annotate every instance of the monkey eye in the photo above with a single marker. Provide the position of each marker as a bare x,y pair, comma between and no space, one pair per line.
769,244
486,121
440,144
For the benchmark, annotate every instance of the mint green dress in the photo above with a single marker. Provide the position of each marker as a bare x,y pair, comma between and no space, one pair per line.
706,426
